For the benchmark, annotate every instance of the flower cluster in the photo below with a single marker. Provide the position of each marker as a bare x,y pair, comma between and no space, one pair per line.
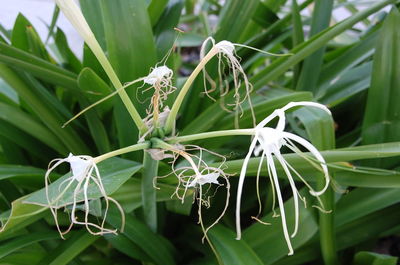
188,164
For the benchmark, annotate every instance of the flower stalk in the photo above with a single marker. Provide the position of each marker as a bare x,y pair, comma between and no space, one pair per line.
170,123
75,16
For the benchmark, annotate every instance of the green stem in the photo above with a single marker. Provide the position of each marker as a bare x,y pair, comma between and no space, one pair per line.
326,227
149,199
75,16
121,151
206,135
170,124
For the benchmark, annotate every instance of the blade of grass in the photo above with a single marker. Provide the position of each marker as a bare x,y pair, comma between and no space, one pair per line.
69,249
70,138
22,241
381,121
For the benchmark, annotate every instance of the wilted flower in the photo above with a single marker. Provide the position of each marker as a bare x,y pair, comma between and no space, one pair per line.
268,141
84,176
196,173
159,79
226,49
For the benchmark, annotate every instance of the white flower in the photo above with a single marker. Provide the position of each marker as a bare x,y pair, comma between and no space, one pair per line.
196,174
268,142
226,49
84,171
210,178
160,74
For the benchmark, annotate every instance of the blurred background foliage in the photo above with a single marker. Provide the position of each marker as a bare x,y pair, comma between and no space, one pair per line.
351,65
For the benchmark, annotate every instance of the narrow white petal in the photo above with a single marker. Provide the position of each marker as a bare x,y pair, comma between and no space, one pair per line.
306,103
240,187
270,162
294,191
317,155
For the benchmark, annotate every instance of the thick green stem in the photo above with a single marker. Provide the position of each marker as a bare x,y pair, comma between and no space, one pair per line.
326,227
170,124
124,150
199,136
149,200
75,16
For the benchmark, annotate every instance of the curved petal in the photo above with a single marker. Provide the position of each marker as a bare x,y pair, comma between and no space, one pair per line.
271,164
240,186
317,155
294,191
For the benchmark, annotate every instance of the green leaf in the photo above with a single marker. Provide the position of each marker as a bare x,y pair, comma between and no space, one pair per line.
92,12
382,115
128,38
363,201
230,250
320,129
51,118
114,172
53,23
69,249
126,246
20,216
281,65
129,196
215,117
353,56
32,126
297,37
370,258
155,9
271,246
311,67
164,30
37,67
9,171
69,57
95,89
347,85
337,155
19,242
155,246
19,36
234,16
264,16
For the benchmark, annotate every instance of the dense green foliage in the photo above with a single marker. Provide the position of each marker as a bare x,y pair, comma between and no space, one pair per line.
351,66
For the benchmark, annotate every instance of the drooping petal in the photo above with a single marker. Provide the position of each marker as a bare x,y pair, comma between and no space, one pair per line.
317,155
294,191
240,187
271,164
158,74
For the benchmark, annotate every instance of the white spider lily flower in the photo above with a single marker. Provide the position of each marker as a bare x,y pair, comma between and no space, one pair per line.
85,175
159,75
269,141
211,178
159,79
198,175
226,49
